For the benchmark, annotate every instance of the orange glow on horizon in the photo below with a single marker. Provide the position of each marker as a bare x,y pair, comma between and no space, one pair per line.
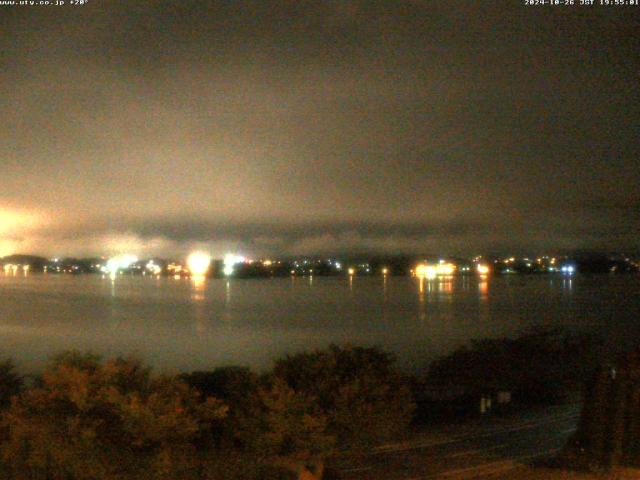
11,220
15,221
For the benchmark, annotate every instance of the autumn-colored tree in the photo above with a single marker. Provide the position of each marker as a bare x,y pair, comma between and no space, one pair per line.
86,419
96,420
312,406
357,391
286,429
270,432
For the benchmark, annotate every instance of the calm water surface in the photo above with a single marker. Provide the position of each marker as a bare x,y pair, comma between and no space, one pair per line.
179,325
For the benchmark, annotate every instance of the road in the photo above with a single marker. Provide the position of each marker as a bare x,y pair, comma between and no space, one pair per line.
484,448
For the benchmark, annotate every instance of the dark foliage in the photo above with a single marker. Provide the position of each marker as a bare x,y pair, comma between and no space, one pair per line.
538,366
237,387
607,434
10,383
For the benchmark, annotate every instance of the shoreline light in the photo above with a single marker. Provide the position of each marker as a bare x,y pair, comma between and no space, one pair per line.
442,268
426,271
482,269
198,263
153,268
229,262
119,262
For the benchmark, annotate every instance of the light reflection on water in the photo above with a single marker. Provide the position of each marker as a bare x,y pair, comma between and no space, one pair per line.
183,324
483,287
198,288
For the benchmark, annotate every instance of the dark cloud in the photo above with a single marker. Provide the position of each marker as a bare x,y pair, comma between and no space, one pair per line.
291,126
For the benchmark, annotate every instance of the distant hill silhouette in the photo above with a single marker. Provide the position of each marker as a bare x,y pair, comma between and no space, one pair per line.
32,260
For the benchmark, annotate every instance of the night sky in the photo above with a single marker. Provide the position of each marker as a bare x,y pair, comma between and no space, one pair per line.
319,127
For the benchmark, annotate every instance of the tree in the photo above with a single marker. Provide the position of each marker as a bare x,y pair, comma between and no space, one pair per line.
284,428
269,432
90,419
237,388
363,398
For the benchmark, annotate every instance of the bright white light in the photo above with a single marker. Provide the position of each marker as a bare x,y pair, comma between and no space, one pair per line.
230,261
153,268
569,269
120,262
198,263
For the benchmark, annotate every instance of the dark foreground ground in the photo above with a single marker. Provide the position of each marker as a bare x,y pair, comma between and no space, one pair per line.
502,447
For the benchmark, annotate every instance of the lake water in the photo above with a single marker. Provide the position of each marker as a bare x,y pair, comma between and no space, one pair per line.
181,325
